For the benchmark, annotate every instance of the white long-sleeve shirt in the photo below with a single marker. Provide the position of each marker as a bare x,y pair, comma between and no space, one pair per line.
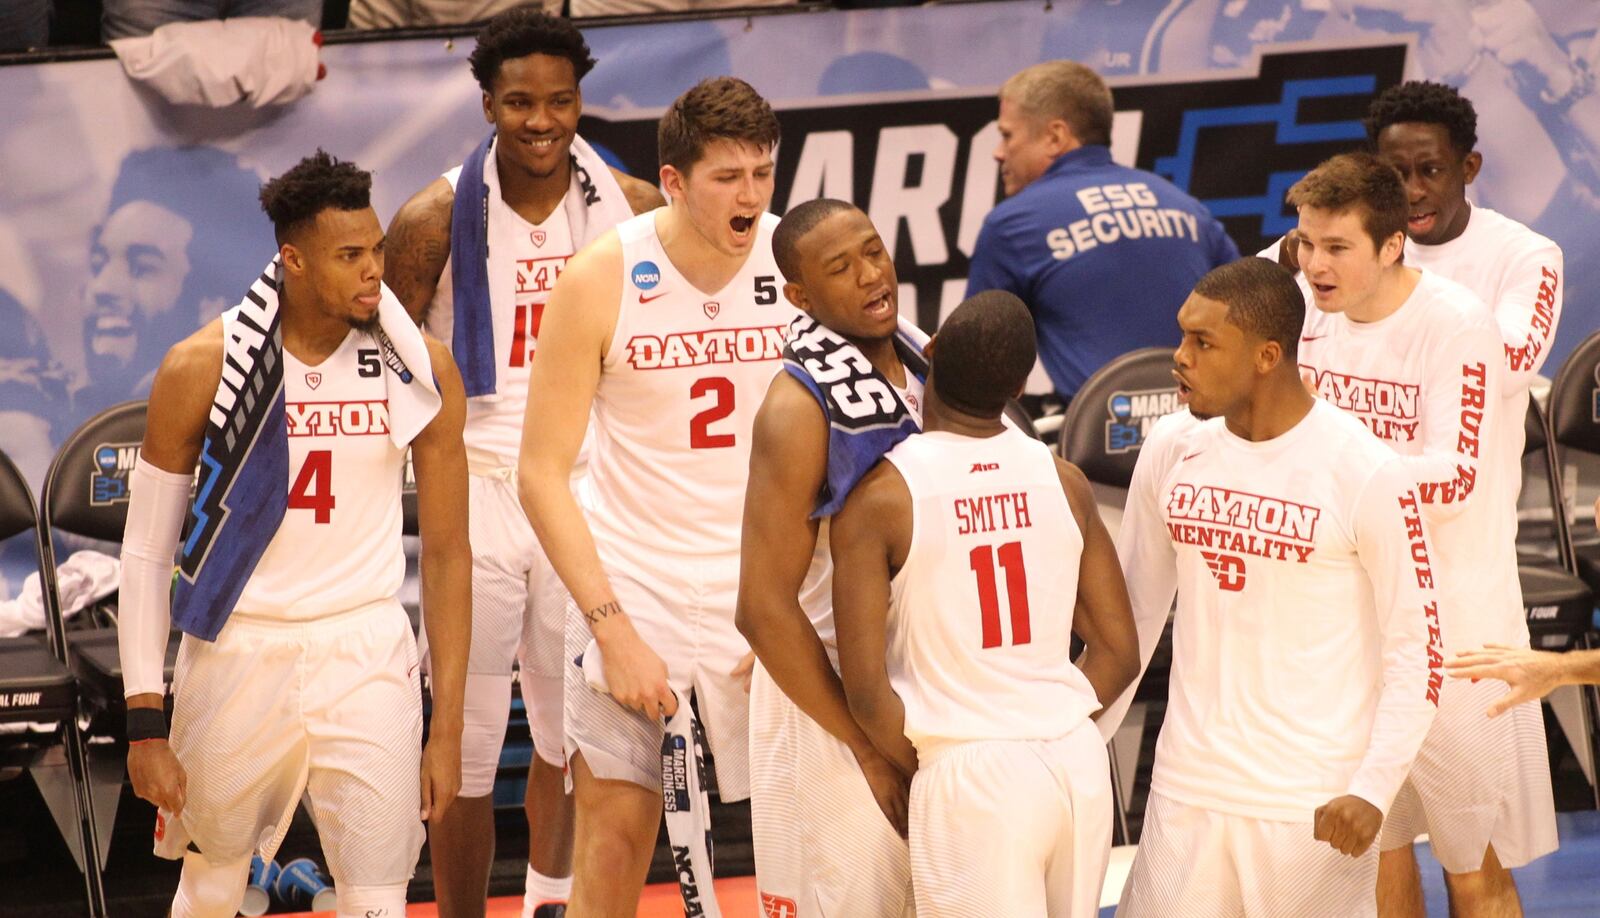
1518,274
1306,645
1427,380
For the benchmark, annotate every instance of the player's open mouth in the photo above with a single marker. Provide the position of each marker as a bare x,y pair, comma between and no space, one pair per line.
540,144
1183,388
1421,223
881,304
1323,291
742,225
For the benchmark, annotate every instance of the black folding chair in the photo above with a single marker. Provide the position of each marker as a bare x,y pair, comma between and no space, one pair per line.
1104,427
1573,425
37,687
86,494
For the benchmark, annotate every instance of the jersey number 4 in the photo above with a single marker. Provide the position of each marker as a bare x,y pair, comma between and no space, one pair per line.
982,560
313,487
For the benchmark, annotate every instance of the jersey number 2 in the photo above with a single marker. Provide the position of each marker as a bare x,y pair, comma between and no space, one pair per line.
982,560
313,487
721,388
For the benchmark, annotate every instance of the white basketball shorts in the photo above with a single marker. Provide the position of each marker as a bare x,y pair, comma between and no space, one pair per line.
683,609
1200,862
331,709
1478,781
823,847
1013,827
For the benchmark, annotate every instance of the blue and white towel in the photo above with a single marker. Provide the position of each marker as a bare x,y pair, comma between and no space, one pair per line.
242,490
866,417
481,223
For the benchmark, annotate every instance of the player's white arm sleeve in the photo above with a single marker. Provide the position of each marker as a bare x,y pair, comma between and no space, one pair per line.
157,502
1527,312
1392,543
1461,410
1149,565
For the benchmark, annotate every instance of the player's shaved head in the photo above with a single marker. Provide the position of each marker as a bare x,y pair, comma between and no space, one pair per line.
984,353
1066,90
795,226
1262,299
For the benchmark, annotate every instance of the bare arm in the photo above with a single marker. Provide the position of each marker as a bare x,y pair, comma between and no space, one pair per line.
576,331
869,539
1528,674
642,196
1103,616
418,246
446,572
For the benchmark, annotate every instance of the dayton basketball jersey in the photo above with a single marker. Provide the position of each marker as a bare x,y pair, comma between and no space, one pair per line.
677,399
980,617
1427,380
339,544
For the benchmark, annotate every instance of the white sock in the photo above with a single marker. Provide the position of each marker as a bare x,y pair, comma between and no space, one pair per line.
540,889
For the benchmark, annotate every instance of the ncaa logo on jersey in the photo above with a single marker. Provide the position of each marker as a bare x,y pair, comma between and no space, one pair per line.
1132,413
646,275
113,463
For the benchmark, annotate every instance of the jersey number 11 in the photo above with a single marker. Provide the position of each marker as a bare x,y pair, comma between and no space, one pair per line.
982,560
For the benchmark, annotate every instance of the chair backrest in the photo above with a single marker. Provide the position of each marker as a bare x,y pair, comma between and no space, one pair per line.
1533,436
1575,398
17,513
1111,414
86,490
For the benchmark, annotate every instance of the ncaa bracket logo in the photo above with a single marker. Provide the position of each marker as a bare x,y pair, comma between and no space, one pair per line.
108,482
1132,413
645,275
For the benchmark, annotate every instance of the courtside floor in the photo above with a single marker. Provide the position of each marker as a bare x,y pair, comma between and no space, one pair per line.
1564,885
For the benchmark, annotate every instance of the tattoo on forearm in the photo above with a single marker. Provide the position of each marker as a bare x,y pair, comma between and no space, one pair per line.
601,613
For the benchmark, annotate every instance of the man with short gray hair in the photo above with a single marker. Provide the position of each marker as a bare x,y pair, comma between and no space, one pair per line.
1101,253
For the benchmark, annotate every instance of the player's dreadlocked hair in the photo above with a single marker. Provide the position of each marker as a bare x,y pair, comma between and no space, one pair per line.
1427,103
1262,298
983,353
795,226
315,184
520,32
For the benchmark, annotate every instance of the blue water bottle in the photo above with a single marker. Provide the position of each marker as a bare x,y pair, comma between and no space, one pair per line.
258,894
302,886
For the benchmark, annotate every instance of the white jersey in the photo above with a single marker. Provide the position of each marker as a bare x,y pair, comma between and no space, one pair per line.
338,546
1518,274
1426,379
677,399
980,614
1306,656
494,425
816,591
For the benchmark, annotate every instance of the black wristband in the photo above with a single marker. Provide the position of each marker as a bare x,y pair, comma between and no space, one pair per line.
146,724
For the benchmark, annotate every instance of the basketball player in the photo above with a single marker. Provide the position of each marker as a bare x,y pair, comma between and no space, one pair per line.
669,330
298,671
989,705
1419,360
554,195
814,774
1305,657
